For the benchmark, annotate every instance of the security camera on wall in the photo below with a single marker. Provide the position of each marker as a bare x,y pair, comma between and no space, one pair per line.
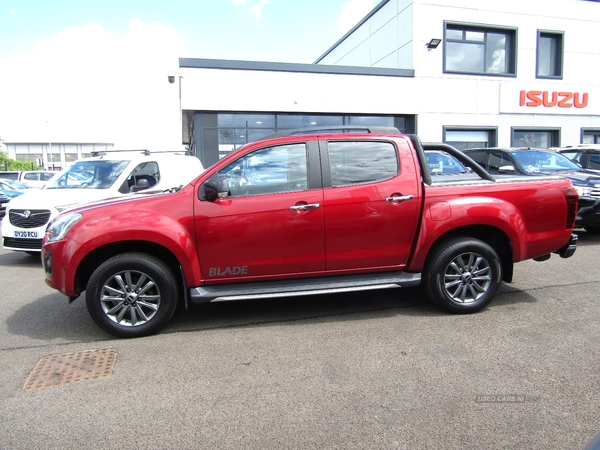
171,79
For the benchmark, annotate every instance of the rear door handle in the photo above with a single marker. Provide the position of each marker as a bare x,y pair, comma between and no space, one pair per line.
304,207
401,198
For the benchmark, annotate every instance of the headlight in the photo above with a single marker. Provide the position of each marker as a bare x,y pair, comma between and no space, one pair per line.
583,191
58,227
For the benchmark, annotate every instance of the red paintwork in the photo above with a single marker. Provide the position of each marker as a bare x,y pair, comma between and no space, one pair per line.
354,230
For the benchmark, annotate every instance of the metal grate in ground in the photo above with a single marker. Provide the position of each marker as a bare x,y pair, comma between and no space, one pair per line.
66,368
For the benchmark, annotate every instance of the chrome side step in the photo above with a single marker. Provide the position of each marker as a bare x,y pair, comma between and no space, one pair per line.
303,286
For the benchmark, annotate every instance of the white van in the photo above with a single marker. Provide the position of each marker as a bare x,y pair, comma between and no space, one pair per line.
109,175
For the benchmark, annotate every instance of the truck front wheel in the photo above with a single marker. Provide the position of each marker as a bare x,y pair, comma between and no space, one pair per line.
132,295
462,275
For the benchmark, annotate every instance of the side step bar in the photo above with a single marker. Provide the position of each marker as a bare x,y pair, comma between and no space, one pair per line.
303,286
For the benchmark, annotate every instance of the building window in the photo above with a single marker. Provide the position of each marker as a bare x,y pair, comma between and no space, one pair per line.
479,50
549,54
535,138
215,135
464,138
590,136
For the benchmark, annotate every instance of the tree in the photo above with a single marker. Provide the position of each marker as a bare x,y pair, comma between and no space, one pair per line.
7,163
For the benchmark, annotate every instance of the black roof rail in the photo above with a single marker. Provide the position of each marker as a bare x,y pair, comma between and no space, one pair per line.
106,152
340,129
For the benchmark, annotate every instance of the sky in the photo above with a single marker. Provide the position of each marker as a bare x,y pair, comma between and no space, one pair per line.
96,70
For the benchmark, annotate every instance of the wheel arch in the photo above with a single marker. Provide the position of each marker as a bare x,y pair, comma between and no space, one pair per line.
491,235
93,259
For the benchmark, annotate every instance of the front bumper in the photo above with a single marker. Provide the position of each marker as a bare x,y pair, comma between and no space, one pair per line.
588,214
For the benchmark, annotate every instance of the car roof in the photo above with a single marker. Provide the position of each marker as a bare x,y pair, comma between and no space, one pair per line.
508,149
578,147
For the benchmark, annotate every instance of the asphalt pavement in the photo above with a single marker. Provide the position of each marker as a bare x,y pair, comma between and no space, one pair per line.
369,370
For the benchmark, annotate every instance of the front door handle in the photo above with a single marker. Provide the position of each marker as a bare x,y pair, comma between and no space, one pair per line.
304,207
400,198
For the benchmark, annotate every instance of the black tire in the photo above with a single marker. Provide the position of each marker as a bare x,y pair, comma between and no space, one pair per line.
462,275
132,295
592,230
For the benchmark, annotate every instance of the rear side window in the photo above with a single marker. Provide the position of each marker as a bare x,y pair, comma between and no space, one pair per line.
361,162
33,176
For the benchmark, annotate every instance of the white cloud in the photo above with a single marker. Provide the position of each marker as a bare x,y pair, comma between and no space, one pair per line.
352,12
86,84
256,6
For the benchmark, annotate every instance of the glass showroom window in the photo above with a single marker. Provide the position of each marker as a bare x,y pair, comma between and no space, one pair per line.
479,50
464,139
535,138
549,54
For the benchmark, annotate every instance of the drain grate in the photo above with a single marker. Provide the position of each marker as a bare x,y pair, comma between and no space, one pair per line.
58,370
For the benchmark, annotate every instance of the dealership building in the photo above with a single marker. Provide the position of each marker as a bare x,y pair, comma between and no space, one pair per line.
465,72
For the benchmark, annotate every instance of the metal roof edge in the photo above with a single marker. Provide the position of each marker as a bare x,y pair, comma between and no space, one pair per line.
223,64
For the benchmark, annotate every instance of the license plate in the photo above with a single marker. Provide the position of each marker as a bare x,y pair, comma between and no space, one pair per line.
26,234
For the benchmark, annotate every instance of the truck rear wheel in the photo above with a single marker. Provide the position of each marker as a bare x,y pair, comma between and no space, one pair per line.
132,295
462,275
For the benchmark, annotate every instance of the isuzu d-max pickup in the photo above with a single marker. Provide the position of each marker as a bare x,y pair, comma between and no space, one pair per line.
308,212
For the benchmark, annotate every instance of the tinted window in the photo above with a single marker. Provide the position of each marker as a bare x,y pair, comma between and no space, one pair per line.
549,55
268,170
441,163
594,161
537,161
361,162
470,49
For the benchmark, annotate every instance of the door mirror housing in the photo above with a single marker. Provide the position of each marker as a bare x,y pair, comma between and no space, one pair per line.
506,169
216,188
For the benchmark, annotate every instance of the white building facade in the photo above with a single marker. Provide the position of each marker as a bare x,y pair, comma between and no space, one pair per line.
465,72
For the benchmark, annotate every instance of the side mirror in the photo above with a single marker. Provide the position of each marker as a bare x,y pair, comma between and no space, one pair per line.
216,188
506,169
140,186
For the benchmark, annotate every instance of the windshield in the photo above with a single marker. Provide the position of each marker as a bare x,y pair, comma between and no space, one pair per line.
13,185
98,174
533,161
441,163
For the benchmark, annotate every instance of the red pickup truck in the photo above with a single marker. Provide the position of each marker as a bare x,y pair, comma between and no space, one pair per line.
308,212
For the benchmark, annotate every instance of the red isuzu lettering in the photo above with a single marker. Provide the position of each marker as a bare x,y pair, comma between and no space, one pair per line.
309,213
551,99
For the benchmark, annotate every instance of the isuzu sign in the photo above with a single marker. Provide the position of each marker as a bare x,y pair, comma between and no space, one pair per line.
538,98
553,99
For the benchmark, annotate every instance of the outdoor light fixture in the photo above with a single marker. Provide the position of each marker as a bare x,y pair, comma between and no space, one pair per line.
433,43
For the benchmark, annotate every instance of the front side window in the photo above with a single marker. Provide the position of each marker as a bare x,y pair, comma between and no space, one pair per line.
268,170
361,162
549,54
494,162
479,50
145,175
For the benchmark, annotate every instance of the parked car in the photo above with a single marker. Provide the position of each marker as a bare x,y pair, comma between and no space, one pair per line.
441,163
31,178
11,188
536,162
4,199
587,156
111,174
